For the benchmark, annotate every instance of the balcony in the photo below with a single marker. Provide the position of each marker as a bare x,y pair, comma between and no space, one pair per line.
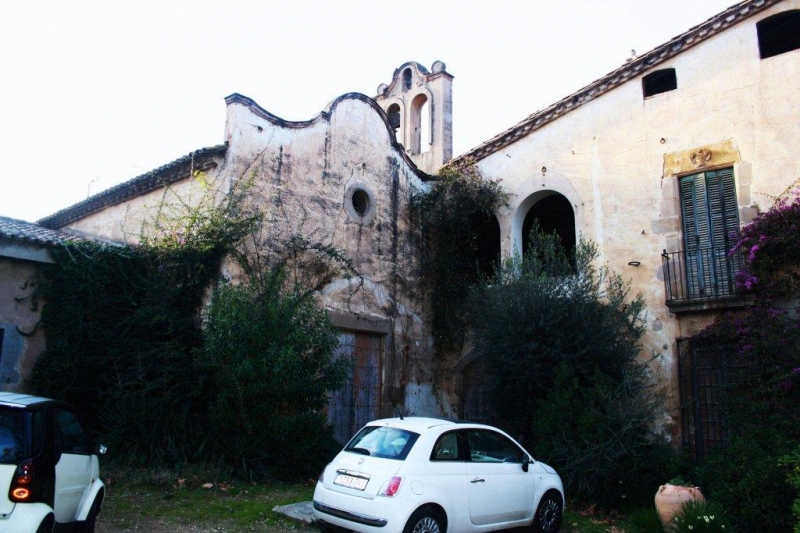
702,279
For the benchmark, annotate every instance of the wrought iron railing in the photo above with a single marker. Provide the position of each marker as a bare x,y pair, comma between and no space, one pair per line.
705,273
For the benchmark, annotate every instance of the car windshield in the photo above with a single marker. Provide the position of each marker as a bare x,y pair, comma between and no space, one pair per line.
12,434
382,441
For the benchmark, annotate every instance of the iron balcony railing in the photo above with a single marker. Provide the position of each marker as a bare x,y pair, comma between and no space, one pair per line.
702,274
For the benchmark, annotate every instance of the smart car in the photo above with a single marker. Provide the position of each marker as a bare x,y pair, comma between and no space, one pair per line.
48,468
426,475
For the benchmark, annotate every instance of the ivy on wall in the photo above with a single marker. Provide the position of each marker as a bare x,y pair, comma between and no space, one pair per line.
449,248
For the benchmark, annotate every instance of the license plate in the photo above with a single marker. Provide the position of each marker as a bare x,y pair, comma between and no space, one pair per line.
352,482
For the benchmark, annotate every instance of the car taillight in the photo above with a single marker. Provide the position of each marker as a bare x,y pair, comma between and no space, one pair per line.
391,487
22,484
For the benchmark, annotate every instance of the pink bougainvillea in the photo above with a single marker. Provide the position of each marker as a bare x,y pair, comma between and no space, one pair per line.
771,244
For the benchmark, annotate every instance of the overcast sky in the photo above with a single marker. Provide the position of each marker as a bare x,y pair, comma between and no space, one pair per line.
96,93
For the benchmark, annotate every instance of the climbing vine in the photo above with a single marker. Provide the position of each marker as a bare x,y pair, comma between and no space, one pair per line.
138,343
448,216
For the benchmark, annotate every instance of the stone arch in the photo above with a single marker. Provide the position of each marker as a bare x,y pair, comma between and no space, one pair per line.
419,123
554,213
528,194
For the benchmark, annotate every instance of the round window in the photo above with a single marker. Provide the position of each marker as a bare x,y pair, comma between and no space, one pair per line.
360,200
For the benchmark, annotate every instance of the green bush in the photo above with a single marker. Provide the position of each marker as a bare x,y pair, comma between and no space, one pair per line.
271,355
567,379
792,462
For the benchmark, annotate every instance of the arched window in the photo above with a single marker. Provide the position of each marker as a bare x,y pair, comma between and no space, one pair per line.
406,79
394,120
779,34
420,125
554,214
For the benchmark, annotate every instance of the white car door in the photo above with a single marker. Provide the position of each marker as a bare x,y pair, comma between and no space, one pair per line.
74,468
499,490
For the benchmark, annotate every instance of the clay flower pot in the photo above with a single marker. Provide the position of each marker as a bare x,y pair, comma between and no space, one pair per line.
670,499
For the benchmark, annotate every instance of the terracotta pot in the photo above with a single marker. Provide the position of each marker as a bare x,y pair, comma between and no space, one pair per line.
670,499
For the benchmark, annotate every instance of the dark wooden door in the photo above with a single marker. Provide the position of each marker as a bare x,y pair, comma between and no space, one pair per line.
358,401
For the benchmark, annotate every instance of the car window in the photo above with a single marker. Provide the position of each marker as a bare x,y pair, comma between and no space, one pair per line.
446,448
69,434
382,441
12,433
487,446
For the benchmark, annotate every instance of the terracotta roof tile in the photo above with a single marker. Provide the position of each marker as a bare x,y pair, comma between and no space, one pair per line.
34,233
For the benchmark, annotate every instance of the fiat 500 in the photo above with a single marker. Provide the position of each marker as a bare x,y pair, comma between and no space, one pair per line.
425,475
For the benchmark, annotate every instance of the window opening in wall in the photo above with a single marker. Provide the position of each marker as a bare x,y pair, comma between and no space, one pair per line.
710,229
419,122
394,120
554,214
360,202
406,79
425,127
779,34
486,233
660,81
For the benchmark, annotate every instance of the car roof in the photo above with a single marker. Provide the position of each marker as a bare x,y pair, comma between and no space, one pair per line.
420,424
15,399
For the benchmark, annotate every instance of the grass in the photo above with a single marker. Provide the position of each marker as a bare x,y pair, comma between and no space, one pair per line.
202,500
153,500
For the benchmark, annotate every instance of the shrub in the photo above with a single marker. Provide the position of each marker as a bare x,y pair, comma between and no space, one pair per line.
792,462
770,244
271,353
560,341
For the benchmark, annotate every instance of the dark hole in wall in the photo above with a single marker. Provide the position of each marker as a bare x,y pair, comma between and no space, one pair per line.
486,238
779,34
406,79
660,81
360,201
554,214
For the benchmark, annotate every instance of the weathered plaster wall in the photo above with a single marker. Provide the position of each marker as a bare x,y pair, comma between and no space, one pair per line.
617,159
22,342
305,177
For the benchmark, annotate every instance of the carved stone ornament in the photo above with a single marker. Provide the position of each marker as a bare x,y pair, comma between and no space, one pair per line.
701,157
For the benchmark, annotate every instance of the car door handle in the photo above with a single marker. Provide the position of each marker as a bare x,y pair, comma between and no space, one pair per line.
478,480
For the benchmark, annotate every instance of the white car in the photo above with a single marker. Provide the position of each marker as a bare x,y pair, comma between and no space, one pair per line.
426,475
49,471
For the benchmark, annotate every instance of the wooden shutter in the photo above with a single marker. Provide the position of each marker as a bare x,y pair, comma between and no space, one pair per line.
710,228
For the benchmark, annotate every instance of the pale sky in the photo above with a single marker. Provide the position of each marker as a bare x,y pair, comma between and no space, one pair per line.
93,93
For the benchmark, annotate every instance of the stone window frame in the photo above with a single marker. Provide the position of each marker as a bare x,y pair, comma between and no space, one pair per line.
355,190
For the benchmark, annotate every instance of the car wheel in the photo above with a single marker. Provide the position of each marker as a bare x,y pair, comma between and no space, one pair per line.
426,521
46,526
549,513
88,525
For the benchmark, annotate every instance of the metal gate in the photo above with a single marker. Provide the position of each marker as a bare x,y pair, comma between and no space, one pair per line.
358,401
705,370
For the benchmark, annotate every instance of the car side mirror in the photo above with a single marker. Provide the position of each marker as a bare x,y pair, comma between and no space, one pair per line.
525,462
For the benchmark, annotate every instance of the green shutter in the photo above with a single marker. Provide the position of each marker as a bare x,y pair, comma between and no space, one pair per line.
710,229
